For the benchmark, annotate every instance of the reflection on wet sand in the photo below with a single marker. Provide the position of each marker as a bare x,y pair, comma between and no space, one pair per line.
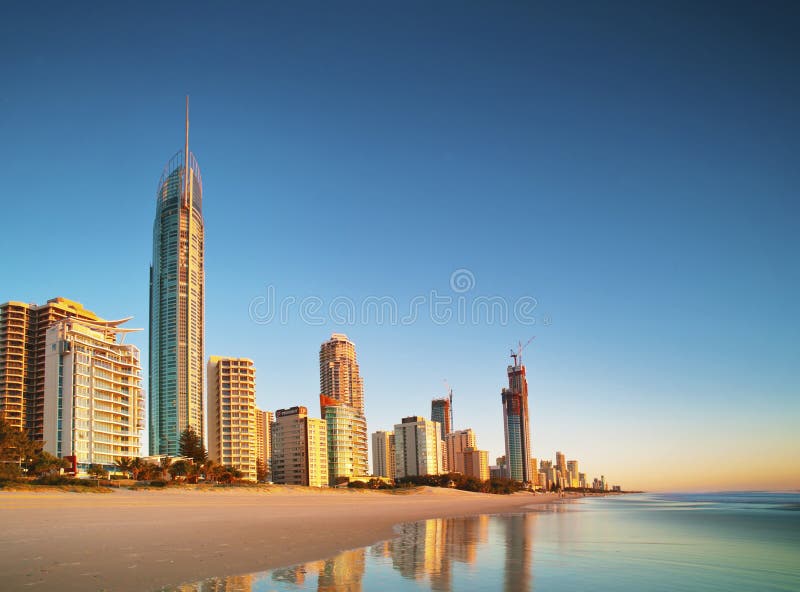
425,552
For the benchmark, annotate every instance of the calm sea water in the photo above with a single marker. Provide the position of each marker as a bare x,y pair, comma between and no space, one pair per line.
733,541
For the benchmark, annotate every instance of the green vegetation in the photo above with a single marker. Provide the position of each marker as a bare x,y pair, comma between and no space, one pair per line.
462,482
191,446
21,458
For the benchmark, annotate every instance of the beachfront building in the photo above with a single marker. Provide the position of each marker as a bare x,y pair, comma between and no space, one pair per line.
534,471
340,384
264,420
476,463
455,443
572,473
347,441
93,399
177,304
299,448
23,336
383,454
418,449
232,425
516,423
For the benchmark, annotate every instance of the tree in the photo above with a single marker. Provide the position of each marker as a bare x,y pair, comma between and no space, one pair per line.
124,465
191,446
16,450
166,463
262,472
97,471
137,466
44,463
179,468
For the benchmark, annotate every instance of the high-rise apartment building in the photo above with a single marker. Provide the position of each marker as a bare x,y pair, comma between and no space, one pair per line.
534,471
340,384
299,448
232,421
516,424
339,376
177,304
23,336
572,473
93,399
561,465
264,421
418,449
476,463
383,454
455,444
347,441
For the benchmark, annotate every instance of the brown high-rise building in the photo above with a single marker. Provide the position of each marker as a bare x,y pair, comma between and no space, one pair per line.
342,406
339,377
264,420
23,336
299,448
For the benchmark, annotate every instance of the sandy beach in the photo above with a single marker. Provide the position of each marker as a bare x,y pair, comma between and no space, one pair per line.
146,540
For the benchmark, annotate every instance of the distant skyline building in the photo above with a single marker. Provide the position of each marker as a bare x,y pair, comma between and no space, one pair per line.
23,336
299,448
572,473
232,421
418,449
264,421
177,304
455,444
516,424
93,398
383,454
476,463
347,440
441,412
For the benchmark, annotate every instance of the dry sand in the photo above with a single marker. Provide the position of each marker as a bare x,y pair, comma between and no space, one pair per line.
146,540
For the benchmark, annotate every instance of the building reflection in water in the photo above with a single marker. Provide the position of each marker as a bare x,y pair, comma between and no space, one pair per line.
430,552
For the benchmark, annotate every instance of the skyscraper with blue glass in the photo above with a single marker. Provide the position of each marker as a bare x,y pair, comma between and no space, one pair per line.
516,424
177,304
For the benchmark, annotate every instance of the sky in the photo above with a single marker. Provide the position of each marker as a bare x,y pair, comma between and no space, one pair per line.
621,179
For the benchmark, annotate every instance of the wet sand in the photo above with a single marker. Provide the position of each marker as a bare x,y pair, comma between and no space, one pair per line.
147,540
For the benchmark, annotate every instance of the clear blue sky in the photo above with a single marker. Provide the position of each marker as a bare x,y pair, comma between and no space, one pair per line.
633,168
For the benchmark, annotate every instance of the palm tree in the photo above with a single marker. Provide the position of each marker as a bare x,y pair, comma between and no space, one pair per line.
208,469
137,467
166,462
179,468
124,465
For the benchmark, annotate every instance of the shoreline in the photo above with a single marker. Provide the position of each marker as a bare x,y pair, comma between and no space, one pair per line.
152,539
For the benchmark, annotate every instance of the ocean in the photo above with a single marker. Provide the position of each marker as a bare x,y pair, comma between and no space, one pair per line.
653,542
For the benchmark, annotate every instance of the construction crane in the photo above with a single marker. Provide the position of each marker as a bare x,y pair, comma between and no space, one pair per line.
450,396
518,355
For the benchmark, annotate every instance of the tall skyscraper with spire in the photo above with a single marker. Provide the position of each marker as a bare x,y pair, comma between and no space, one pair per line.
516,423
177,303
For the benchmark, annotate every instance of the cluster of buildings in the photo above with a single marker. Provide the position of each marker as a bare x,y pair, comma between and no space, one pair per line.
563,474
68,377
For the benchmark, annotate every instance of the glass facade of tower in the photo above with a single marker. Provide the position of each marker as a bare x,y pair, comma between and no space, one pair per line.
517,426
177,295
